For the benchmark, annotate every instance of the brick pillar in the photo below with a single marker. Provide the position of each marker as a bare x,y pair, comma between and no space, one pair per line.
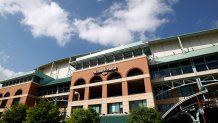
71,95
124,88
104,91
86,96
147,83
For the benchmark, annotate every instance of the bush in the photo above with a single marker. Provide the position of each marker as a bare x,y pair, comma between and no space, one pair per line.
144,115
44,112
15,114
84,116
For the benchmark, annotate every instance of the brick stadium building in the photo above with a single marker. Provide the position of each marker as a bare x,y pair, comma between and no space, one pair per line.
165,74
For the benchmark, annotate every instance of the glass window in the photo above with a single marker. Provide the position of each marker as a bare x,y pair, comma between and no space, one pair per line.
137,104
199,60
114,108
86,64
15,101
78,66
101,61
185,91
93,62
118,56
200,67
137,52
97,108
211,58
212,65
75,107
109,59
164,107
127,54
164,71
164,95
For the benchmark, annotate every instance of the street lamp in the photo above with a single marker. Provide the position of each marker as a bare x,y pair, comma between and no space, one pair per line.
77,93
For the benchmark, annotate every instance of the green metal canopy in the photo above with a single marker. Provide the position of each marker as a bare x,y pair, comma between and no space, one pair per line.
114,119
57,81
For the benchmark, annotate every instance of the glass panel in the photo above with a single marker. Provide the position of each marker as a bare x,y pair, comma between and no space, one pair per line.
93,62
200,67
187,69
127,54
97,108
115,108
109,59
199,60
212,65
86,64
101,60
137,104
118,56
78,66
211,58
175,71
137,52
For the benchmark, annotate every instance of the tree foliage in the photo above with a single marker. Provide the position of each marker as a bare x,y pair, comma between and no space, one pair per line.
44,112
84,116
144,115
15,114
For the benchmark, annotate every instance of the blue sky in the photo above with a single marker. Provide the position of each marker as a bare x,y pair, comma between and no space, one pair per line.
35,32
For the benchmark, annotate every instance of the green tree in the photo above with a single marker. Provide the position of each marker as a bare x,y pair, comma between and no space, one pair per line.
15,114
44,112
144,115
84,116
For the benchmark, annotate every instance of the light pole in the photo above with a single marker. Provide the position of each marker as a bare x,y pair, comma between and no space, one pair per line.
77,93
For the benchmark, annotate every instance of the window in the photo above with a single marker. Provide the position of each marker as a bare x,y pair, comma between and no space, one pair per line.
86,64
127,54
114,76
96,79
175,69
164,107
164,70
164,95
101,61
78,66
118,56
134,72
200,64
16,101
137,104
75,107
186,67
114,108
109,59
185,91
19,92
79,82
137,52
93,62
97,108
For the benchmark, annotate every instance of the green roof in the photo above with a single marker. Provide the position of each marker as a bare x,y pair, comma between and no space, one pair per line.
114,119
190,54
114,50
44,77
57,81
189,35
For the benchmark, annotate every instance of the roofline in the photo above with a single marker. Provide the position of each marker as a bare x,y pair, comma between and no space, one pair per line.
188,35
61,60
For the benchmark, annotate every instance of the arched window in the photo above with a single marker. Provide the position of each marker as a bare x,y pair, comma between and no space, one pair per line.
134,72
4,102
96,79
80,82
19,92
7,94
114,75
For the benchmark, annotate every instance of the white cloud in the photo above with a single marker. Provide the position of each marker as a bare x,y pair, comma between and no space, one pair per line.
5,73
215,24
125,22
43,17
3,57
